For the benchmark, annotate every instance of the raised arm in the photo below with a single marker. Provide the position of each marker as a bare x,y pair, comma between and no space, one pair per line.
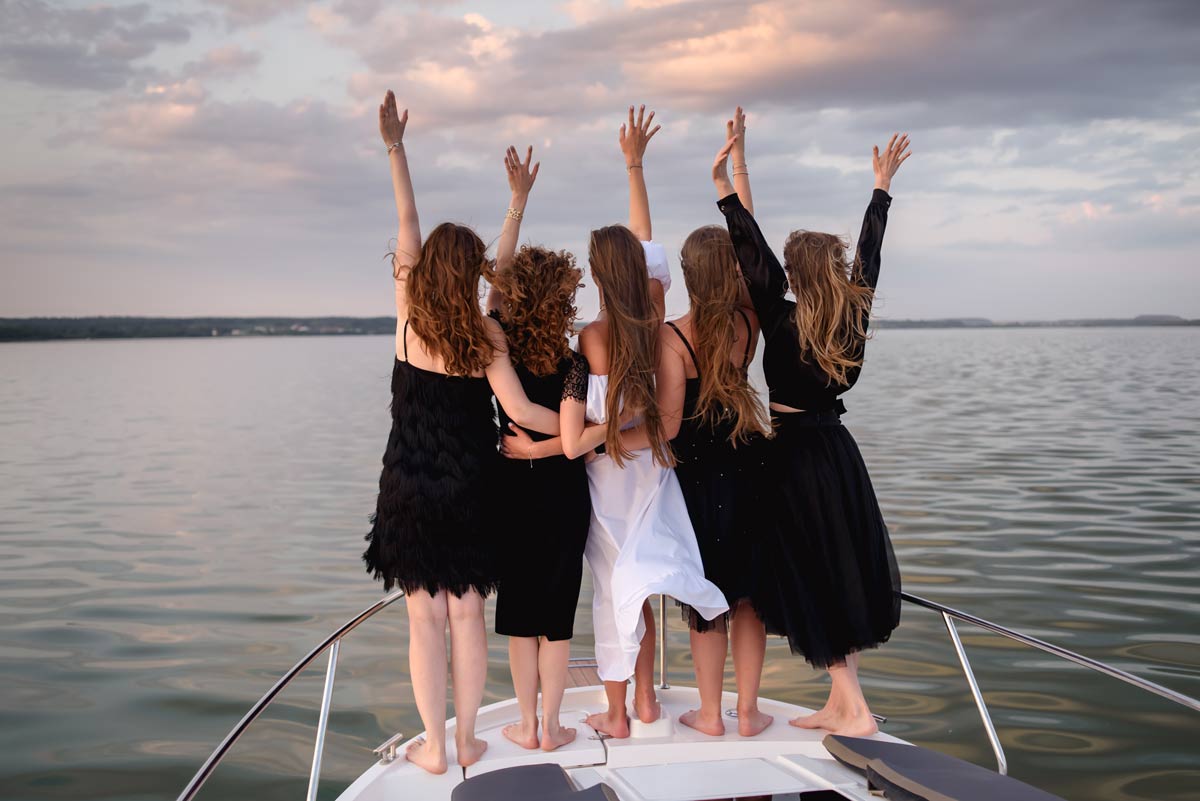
634,136
508,389
408,239
870,238
741,173
520,183
762,271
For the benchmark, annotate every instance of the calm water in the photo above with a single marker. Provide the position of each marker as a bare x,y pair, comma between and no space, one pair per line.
181,520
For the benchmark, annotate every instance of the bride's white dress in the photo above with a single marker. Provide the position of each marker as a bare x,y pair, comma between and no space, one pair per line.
640,543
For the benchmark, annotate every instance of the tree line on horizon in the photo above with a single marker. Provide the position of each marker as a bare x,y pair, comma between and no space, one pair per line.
29,329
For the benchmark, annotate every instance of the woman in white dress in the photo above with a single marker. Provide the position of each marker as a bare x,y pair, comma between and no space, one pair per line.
641,540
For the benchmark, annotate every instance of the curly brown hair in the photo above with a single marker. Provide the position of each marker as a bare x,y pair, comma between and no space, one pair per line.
443,298
539,307
832,303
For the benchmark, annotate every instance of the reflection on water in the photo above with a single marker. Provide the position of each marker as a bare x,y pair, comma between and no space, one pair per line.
180,520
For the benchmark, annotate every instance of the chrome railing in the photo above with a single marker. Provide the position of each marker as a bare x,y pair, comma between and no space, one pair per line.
949,615
332,644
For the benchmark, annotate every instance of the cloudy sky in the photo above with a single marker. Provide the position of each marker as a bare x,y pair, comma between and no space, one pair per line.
222,156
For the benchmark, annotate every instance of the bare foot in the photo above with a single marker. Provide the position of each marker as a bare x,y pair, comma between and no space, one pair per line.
470,751
710,725
423,755
816,720
752,722
556,738
862,725
522,735
647,707
614,724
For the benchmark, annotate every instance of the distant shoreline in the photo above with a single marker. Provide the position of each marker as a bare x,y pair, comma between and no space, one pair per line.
43,329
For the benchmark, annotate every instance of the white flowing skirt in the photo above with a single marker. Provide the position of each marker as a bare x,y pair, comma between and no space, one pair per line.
640,543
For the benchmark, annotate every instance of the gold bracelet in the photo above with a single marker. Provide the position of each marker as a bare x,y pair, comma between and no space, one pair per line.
743,172
393,146
514,214
632,167
741,166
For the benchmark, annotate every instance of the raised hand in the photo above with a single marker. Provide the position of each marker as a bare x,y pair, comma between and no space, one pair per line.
885,164
720,168
737,127
391,123
520,176
634,136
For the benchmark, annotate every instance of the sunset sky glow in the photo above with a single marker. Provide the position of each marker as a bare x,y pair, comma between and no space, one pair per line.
222,156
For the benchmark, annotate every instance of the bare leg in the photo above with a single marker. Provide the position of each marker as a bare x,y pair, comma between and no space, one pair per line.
749,648
615,721
846,712
523,661
708,655
468,664
645,702
427,669
552,669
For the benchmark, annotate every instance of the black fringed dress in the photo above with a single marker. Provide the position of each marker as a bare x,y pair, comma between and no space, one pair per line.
430,529
826,576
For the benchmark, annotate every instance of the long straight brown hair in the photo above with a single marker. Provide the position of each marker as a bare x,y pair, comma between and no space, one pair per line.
710,271
443,298
618,263
831,305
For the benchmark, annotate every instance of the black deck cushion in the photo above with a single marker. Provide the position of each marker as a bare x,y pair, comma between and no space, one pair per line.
908,773
540,782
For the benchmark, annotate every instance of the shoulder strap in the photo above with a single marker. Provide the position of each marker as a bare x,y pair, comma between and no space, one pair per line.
405,339
686,344
749,338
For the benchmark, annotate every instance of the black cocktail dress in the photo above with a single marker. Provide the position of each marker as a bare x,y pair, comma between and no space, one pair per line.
719,485
542,527
825,573
432,525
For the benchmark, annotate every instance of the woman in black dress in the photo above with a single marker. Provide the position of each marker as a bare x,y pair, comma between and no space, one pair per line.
431,532
716,424
826,574
541,564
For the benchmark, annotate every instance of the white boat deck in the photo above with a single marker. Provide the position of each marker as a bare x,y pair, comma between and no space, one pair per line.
664,761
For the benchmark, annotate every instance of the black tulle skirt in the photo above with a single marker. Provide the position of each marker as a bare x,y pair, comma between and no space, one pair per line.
827,576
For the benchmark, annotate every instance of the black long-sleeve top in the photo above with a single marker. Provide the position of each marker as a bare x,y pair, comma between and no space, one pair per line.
794,380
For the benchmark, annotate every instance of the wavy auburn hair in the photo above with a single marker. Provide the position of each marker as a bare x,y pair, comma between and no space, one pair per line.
618,263
831,304
443,298
539,307
710,270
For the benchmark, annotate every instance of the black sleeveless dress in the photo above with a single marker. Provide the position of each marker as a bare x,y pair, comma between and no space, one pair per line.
718,483
431,529
541,545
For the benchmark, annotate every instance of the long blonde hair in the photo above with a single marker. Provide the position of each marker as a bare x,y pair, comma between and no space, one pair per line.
831,307
710,271
539,307
618,263
443,298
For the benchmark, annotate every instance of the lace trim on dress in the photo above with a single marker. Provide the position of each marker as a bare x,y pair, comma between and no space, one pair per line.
575,385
